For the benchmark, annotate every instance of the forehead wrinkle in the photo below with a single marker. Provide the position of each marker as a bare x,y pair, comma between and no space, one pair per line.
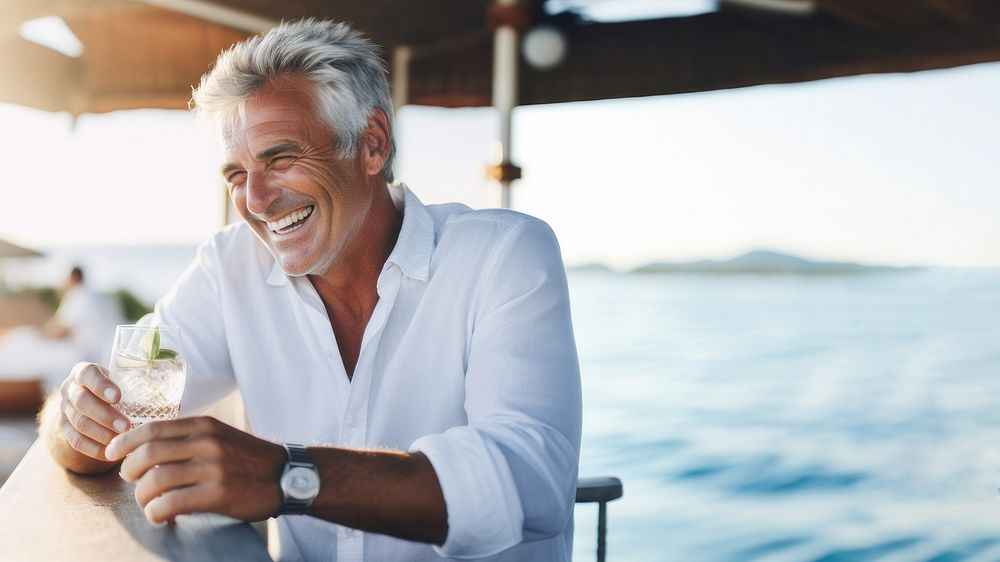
275,119
283,145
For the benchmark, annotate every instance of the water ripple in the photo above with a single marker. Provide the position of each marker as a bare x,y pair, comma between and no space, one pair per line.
964,551
783,483
863,554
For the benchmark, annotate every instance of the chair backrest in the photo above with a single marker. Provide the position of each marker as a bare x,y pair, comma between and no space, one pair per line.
602,490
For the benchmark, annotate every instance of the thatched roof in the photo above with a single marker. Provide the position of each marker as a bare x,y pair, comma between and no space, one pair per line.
140,55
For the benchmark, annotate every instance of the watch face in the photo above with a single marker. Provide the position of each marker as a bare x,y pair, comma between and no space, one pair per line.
300,483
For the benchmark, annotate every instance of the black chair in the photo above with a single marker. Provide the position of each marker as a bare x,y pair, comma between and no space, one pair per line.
601,490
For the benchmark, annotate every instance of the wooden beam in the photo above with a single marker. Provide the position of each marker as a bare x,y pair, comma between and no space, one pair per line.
38,77
874,15
686,55
450,100
455,78
217,14
973,13
13,13
146,55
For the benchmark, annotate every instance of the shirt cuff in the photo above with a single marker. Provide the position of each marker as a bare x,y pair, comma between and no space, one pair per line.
484,509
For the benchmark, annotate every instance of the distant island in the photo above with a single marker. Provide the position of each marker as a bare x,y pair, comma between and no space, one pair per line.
764,261
592,266
760,261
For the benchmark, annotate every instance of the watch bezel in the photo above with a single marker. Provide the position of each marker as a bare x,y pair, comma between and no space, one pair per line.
306,493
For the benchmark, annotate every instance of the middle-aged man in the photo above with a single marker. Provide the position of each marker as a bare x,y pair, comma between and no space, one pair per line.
424,354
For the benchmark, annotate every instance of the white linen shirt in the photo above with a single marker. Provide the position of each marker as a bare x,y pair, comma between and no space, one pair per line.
468,358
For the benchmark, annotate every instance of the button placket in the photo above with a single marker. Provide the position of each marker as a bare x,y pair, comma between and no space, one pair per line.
350,545
355,417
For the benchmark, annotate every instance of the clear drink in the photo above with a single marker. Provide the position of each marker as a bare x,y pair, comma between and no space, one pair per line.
148,367
151,390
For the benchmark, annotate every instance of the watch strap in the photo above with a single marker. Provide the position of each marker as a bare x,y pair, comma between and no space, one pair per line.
298,456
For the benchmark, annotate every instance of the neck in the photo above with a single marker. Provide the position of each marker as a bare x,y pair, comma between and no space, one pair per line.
350,282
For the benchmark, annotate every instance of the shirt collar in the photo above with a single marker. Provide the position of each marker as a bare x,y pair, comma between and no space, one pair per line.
414,246
277,276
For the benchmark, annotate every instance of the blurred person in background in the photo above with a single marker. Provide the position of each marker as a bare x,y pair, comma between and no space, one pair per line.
74,333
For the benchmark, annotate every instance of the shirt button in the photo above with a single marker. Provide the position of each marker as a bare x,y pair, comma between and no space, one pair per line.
346,533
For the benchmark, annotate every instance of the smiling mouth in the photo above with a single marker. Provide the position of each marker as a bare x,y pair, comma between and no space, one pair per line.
290,222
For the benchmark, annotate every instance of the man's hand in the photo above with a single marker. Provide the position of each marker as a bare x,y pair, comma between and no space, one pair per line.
200,465
82,421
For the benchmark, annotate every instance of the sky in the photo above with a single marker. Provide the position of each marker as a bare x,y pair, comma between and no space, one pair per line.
896,169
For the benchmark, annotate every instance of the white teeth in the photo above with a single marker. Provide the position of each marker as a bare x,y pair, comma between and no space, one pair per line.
290,219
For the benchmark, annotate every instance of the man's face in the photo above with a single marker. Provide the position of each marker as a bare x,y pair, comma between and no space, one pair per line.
286,181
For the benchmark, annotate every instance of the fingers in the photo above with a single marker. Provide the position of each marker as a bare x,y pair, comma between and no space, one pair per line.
153,453
164,429
92,395
84,401
87,421
166,477
94,378
81,442
87,426
232,472
192,499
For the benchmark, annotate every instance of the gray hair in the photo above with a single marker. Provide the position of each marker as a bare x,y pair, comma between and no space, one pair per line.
345,68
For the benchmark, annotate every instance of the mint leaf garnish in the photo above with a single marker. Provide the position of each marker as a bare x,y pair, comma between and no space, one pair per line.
154,348
165,353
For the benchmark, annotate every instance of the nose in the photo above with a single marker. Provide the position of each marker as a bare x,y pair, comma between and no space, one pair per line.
260,193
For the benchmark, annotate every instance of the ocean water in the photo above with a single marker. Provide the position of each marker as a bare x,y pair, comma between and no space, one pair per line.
146,271
789,418
770,418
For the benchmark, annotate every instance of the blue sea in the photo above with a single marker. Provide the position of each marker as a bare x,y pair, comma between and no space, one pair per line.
146,271
785,418
769,418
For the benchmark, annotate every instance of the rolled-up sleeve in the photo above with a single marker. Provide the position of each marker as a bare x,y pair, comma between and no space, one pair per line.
510,475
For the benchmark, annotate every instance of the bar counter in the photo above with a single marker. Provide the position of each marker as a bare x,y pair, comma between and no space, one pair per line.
47,513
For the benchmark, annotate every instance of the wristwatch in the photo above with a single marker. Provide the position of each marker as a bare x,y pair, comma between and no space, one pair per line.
299,481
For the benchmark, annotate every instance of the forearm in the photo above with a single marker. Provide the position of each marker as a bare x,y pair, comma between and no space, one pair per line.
386,492
60,449
55,330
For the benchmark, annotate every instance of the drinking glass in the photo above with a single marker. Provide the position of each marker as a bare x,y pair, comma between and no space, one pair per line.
149,369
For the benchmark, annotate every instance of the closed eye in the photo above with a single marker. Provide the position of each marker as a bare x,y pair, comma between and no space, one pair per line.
237,177
281,162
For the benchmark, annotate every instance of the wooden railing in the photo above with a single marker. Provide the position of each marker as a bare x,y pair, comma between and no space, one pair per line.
47,513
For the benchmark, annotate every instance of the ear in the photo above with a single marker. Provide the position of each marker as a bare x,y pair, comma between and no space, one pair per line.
376,142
